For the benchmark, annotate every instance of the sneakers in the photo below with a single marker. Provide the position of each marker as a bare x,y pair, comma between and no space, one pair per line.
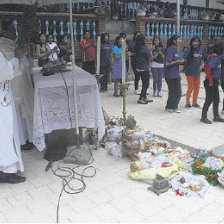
159,94
218,119
170,110
205,120
187,106
177,111
154,94
196,105
137,92
173,110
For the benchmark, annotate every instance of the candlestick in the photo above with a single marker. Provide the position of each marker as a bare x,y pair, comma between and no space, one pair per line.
98,56
123,61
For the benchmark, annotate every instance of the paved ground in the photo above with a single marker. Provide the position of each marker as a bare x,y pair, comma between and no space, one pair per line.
111,196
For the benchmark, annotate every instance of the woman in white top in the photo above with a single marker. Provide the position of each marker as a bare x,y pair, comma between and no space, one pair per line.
53,48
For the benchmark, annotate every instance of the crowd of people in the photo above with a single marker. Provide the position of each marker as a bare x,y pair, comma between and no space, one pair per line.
16,87
165,62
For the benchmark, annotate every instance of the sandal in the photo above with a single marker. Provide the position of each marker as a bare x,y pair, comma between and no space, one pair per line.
142,102
148,100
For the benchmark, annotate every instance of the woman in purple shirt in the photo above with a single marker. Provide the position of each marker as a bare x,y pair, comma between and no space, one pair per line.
105,60
172,74
194,61
142,56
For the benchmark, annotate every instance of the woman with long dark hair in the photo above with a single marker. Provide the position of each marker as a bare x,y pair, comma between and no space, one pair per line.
131,49
157,66
65,48
105,60
172,74
194,61
42,50
142,56
211,84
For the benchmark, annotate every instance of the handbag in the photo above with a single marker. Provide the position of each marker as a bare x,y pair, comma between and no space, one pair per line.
53,66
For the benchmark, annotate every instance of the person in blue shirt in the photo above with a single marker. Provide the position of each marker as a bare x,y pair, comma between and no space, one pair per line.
105,60
211,84
222,78
172,74
194,61
142,57
157,66
117,65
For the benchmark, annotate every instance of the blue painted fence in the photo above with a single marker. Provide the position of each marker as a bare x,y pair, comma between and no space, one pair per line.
60,27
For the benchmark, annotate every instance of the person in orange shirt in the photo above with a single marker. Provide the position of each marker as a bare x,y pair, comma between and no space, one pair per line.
88,47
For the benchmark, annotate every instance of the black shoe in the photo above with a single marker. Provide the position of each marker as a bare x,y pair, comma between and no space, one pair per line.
218,119
206,121
196,105
27,146
187,106
11,178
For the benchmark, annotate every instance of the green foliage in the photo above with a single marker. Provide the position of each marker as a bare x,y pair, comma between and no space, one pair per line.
210,174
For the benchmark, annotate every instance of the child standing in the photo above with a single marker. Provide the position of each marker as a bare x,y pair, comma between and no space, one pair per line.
157,66
211,84
117,66
105,60
54,50
193,66
172,74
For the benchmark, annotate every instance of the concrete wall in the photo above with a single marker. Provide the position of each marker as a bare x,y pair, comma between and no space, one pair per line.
114,28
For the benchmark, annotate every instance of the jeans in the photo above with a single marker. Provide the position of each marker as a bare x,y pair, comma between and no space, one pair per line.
212,96
104,70
145,83
222,85
89,66
174,94
157,78
137,77
193,85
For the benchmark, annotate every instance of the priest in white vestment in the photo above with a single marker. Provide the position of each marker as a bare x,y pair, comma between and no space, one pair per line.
22,87
10,153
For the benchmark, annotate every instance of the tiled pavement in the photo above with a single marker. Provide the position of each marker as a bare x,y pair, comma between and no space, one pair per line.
111,196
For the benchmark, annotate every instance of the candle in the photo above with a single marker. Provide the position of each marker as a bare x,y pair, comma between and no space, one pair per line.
123,60
98,56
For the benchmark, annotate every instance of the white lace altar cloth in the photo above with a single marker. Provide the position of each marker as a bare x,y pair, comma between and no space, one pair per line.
54,104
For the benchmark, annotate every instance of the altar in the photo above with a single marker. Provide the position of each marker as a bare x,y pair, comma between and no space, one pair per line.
54,104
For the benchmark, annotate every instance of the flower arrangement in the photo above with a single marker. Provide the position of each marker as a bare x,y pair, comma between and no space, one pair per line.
210,174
